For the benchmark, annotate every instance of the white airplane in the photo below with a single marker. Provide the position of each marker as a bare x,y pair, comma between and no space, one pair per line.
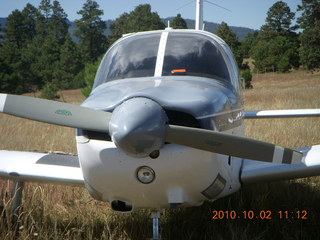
162,128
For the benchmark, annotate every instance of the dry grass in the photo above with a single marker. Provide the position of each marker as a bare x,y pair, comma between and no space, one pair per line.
27,135
284,91
62,212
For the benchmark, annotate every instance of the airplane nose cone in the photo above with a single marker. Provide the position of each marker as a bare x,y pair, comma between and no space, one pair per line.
138,126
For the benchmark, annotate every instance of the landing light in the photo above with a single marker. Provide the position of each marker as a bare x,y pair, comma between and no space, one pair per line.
145,174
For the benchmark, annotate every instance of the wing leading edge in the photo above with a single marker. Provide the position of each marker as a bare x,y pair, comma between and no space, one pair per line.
40,167
255,172
283,113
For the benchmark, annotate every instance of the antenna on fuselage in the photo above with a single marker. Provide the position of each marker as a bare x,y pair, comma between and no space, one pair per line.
199,14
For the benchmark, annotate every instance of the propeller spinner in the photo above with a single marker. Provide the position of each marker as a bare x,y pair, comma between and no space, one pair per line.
138,126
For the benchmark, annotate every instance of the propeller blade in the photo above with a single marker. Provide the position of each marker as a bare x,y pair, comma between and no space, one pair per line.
232,145
54,112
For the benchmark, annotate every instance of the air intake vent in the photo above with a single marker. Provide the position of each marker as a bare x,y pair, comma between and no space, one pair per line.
215,188
121,206
94,135
182,119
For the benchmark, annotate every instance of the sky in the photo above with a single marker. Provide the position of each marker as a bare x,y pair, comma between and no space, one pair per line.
243,13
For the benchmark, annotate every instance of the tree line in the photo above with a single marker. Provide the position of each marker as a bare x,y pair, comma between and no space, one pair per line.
38,53
280,45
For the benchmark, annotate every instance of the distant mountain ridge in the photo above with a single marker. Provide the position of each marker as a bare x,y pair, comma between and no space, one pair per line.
2,22
241,32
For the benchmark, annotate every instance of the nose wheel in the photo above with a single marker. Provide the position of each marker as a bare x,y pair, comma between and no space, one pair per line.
155,215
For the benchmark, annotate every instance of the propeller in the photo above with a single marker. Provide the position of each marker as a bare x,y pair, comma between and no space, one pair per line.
138,126
232,145
58,113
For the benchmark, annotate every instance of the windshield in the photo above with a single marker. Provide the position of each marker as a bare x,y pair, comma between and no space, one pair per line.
194,55
130,58
185,53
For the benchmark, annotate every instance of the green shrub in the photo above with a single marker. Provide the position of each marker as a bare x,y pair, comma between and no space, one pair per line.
49,91
247,76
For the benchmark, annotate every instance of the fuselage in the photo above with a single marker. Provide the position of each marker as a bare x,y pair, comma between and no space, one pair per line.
192,77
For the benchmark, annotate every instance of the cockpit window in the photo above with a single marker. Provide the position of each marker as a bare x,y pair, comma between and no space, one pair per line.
186,53
130,58
193,55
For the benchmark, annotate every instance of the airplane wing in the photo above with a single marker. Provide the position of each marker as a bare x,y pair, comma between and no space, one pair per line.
282,113
40,167
255,172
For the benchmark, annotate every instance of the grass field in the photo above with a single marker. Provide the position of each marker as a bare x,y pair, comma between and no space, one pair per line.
64,212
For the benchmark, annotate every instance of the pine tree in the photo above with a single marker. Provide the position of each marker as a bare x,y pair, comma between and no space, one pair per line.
30,55
91,31
30,14
44,51
47,56
89,74
45,10
276,46
14,30
247,43
69,65
140,19
1,37
119,27
279,18
9,78
58,23
310,37
18,33
52,20
231,39
178,22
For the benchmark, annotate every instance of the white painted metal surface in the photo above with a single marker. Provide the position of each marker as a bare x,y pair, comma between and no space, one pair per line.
160,55
181,174
283,113
199,15
25,166
3,98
